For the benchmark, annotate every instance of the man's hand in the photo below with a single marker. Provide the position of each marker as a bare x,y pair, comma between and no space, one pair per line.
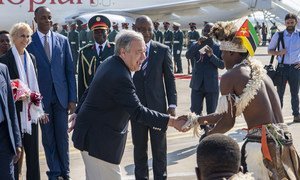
72,120
71,107
18,155
177,123
281,52
171,111
209,51
202,39
44,119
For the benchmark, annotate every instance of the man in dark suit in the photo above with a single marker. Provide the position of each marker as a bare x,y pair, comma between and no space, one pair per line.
204,82
57,85
104,110
154,84
10,137
92,55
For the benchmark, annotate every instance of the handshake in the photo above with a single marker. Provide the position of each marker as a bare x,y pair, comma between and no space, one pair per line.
185,122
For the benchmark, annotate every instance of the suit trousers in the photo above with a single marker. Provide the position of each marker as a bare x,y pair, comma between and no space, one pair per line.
291,76
177,61
197,98
159,151
55,139
31,148
97,169
6,154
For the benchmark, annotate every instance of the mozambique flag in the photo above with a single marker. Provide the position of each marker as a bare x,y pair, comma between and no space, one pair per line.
249,37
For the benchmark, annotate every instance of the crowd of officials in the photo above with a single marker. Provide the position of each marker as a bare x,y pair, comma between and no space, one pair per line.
141,64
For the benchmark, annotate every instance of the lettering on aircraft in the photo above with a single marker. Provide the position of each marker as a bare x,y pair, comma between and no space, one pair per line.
34,3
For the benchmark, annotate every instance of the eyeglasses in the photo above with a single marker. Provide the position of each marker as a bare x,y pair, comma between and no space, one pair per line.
24,36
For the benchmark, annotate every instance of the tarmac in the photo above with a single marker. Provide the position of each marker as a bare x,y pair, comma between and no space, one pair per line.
181,157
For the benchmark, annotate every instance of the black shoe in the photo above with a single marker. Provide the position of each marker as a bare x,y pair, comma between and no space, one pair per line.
297,118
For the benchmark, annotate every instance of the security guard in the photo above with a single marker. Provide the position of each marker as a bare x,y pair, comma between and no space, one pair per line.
125,25
158,35
192,37
114,32
64,30
74,43
168,35
177,47
92,55
83,39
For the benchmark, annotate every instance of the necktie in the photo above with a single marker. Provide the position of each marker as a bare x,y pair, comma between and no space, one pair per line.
47,48
100,51
145,63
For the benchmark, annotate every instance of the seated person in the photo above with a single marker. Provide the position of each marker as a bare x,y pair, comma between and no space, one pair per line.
219,157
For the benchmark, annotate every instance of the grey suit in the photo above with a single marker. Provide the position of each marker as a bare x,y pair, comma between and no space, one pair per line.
153,88
10,137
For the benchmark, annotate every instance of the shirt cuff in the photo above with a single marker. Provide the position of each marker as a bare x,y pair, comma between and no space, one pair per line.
172,106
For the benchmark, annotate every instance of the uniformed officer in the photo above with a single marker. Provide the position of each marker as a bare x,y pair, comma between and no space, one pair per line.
92,55
125,25
64,30
83,38
73,37
158,35
177,46
168,35
192,37
55,27
114,32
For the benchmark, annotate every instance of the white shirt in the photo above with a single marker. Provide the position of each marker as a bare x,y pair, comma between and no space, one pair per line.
42,38
98,47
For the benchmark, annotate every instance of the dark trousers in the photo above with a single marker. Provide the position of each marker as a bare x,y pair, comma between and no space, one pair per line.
177,61
159,152
6,154
31,148
56,140
197,98
292,77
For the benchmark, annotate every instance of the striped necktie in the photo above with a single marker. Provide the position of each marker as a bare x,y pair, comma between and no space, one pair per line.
145,63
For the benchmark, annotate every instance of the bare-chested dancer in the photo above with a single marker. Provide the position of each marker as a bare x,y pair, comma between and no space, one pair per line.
268,151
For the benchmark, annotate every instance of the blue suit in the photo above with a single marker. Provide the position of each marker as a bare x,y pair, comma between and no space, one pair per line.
10,137
204,82
57,85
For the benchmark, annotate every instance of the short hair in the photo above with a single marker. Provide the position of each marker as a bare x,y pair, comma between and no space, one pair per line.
218,153
143,19
124,39
290,16
16,28
4,32
36,11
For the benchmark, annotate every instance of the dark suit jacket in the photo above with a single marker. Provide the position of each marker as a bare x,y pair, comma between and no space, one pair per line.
59,74
9,60
7,102
102,121
159,79
205,73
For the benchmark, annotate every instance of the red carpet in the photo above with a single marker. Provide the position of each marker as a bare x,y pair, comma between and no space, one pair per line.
183,76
